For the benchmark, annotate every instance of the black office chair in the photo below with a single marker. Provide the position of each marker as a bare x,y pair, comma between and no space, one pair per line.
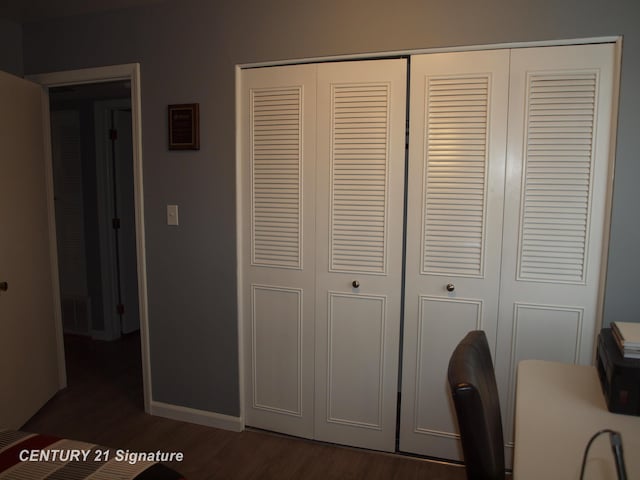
475,396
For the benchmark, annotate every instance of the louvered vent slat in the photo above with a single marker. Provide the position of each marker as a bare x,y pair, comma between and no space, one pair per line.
359,166
456,159
276,163
557,177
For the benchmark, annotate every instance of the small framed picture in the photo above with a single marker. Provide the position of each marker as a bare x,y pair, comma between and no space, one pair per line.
184,127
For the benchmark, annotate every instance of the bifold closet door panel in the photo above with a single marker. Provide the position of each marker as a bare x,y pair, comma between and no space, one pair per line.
558,166
360,190
278,249
457,146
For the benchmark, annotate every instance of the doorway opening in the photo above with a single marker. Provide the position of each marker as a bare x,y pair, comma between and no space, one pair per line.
94,208
92,164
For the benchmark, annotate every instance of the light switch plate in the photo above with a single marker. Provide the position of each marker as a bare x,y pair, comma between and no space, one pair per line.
172,215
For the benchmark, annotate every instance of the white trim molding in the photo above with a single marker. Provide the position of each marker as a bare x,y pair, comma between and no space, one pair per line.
87,75
239,242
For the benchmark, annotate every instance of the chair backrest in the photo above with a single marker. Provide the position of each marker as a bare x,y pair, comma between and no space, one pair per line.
475,395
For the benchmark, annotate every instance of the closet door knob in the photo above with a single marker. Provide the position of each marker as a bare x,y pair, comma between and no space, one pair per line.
4,286
355,284
450,287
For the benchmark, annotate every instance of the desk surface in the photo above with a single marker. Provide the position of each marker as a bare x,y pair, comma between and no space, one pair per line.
558,408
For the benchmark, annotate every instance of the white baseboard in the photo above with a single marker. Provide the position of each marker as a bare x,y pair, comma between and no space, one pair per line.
200,417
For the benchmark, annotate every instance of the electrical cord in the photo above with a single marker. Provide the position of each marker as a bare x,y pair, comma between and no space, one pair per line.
616,446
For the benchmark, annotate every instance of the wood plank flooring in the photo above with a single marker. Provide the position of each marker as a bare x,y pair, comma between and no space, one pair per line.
104,404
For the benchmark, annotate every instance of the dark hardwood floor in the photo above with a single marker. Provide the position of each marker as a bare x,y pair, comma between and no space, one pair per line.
103,404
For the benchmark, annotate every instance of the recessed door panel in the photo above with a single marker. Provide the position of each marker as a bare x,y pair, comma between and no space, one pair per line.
442,322
355,373
546,330
277,348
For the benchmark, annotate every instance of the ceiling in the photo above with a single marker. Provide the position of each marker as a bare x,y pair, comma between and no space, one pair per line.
29,10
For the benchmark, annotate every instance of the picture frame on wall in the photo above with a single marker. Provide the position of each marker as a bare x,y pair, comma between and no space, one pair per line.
184,126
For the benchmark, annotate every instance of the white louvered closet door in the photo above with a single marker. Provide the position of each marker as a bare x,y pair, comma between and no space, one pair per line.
278,253
457,146
557,177
360,189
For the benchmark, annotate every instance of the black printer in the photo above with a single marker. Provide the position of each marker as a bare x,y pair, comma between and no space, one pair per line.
619,376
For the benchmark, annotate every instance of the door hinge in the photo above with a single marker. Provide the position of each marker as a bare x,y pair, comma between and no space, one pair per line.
120,309
115,223
113,134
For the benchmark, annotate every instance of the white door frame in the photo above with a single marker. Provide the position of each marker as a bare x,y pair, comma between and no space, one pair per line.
128,72
240,168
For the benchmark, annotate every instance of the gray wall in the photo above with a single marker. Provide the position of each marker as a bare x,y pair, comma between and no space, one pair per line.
187,51
10,47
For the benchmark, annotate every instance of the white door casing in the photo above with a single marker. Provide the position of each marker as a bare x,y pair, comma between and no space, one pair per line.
129,72
29,340
454,228
481,126
561,104
360,191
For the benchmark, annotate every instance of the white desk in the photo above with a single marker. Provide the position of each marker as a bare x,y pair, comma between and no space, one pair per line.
558,408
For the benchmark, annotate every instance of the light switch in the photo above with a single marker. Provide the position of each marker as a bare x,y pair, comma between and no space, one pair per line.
172,215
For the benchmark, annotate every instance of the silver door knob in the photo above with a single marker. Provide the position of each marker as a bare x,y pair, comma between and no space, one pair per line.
4,286
450,287
355,284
